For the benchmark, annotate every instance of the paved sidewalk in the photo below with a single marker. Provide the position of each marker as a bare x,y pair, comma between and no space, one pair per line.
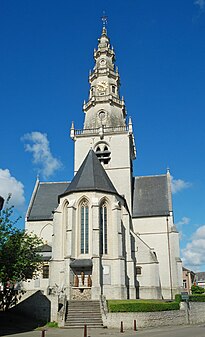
179,331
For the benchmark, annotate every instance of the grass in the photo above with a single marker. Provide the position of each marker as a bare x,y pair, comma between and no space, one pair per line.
51,325
48,325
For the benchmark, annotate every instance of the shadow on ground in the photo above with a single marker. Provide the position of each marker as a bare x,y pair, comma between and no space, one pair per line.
13,323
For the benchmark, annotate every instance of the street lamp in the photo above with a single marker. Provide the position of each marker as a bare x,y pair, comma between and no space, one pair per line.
1,203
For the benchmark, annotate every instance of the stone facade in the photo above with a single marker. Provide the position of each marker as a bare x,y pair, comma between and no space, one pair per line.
113,228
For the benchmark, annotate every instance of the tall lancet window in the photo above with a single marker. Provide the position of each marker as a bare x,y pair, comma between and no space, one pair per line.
103,228
84,227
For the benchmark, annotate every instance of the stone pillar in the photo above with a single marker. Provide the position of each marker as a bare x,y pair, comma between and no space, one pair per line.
97,268
54,307
57,231
56,263
117,231
71,224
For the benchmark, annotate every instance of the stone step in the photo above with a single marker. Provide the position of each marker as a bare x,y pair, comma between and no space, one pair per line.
84,311
70,326
80,313
73,315
84,318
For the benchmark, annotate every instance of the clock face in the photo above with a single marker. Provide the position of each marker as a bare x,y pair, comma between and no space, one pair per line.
102,115
102,86
102,62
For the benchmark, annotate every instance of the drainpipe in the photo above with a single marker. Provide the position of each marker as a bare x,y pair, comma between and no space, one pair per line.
169,257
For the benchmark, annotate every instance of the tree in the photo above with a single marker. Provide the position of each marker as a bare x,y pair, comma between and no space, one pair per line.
19,257
197,290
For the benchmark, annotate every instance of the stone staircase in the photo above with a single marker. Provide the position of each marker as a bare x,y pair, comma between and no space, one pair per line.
79,313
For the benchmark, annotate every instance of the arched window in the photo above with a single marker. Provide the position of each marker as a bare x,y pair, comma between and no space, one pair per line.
103,229
98,149
103,153
84,227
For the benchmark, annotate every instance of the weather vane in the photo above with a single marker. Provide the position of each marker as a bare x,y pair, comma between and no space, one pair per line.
104,19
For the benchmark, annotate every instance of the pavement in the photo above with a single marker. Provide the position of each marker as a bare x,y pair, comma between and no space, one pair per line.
14,325
178,331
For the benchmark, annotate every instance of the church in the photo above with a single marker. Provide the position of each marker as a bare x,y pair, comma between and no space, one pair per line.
106,232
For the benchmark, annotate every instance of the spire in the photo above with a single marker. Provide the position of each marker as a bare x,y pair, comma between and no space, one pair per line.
72,131
104,107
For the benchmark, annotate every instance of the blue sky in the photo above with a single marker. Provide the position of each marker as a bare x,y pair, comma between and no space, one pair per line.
46,53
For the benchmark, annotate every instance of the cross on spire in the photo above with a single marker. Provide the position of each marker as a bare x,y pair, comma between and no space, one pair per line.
104,19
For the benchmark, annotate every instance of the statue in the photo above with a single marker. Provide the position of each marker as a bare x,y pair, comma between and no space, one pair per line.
76,281
82,278
89,281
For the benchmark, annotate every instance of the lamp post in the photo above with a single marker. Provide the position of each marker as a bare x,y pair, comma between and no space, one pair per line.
1,202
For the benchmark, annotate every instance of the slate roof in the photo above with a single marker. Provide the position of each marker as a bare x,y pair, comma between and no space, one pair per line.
200,276
46,200
150,196
45,248
91,176
80,263
150,193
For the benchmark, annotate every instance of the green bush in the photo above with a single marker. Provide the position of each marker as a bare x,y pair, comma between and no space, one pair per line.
197,298
141,306
178,298
197,290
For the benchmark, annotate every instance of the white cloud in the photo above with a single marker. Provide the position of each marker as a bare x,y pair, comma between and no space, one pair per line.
178,185
9,184
193,254
200,3
183,221
37,143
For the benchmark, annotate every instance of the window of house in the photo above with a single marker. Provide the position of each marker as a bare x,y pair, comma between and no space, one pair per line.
46,271
84,227
184,284
139,270
103,229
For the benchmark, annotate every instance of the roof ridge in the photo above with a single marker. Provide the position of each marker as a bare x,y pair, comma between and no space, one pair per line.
151,176
54,182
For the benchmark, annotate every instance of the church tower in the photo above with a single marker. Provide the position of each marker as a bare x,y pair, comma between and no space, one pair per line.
105,129
107,233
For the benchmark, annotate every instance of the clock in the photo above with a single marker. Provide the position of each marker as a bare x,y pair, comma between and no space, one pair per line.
102,62
102,86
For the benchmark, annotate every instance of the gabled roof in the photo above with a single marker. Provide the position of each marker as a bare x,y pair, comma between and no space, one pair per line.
45,200
151,196
91,176
200,276
45,248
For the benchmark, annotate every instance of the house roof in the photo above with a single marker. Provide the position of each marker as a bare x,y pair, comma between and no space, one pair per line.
200,276
91,176
45,200
45,248
151,196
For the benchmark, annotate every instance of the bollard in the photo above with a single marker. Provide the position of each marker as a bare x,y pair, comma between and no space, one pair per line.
135,325
85,330
43,333
121,327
